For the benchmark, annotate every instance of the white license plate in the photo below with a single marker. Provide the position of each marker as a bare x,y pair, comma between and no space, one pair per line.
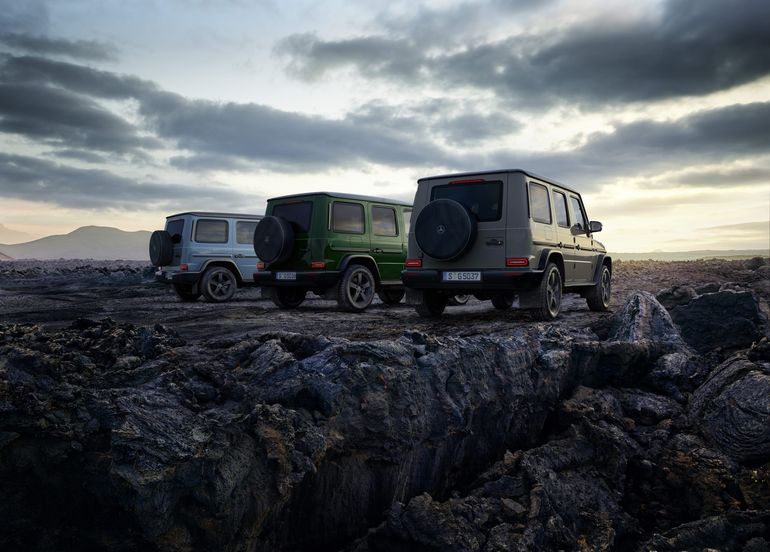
462,276
285,275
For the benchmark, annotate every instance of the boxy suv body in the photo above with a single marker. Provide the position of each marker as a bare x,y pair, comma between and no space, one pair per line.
502,234
205,253
340,246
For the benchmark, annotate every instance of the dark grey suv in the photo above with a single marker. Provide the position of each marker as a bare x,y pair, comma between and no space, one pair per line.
499,235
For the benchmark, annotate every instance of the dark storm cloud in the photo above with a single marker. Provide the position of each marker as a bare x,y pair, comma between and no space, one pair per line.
720,178
89,50
55,116
24,16
696,47
33,179
648,147
79,155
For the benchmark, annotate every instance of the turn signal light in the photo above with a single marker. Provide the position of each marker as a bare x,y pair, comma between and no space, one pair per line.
317,264
261,265
183,266
517,261
413,263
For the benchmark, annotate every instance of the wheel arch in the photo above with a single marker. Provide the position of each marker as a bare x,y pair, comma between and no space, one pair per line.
604,260
365,260
231,266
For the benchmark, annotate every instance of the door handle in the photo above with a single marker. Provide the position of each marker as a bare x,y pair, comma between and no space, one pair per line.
238,256
376,250
494,241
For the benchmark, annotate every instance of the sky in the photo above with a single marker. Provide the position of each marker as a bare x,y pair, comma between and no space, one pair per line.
120,113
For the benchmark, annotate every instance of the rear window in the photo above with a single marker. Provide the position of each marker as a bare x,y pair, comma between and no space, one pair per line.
175,228
298,214
483,199
384,221
211,231
348,217
539,204
244,231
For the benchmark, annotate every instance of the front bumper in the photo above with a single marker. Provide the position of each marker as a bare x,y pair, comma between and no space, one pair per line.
491,279
311,279
188,278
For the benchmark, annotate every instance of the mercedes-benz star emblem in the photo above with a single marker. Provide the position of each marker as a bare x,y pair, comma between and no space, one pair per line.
440,229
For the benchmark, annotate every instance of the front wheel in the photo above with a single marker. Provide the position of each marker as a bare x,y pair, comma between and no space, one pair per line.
598,298
549,294
356,289
391,296
432,305
186,292
218,284
287,297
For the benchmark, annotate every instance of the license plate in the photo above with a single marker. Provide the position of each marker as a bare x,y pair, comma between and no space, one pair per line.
285,275
462,276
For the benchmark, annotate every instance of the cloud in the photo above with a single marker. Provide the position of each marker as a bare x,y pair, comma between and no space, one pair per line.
692,48
39,180
27,16
89,50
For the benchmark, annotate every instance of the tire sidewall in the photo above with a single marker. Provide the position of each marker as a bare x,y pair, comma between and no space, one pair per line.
344,291
206,282
429,221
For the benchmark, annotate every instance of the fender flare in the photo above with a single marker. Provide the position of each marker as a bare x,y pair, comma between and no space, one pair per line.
348,259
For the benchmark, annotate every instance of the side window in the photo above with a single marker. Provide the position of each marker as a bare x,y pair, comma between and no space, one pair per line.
539,204
407,220
560,207
577,210
244,231
211,231
384,221
348,217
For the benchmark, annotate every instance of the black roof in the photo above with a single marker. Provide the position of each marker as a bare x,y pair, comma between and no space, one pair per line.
208,214
499,171
339,195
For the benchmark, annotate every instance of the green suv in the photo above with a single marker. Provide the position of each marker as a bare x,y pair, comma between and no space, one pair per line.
338,246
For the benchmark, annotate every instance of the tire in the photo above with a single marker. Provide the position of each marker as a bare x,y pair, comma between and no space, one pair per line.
503,301
599,297
355,290
458,300
432,305
273,240
549,293
161,248
287,297
445,230
218,284
185,292
391,296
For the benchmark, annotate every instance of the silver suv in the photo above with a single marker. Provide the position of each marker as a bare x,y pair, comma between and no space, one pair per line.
499,235
205,253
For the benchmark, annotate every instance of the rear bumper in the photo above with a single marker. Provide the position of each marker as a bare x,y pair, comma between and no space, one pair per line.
491,279
311,279
166,277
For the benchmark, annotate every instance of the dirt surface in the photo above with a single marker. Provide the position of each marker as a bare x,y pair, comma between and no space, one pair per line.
54,293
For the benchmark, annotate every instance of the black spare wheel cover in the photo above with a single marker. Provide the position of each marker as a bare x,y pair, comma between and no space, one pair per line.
445,229
273,239
161,248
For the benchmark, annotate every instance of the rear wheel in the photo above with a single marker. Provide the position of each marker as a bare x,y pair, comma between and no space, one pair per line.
598,298
549,294
356,289
432,305
503,301
458,300
218,284
186,292
287,297
391,296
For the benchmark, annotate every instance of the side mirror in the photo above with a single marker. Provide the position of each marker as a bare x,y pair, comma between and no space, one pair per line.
595,226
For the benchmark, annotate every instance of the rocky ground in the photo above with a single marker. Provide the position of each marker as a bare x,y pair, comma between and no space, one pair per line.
130,421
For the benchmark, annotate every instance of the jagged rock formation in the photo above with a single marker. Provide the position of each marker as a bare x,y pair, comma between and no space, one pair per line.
124,438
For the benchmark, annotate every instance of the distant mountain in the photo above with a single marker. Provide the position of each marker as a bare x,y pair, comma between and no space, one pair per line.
692,255
5,257
88,242
7,235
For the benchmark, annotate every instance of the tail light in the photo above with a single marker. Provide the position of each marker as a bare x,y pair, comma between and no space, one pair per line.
317,264
261,265
183,266
413,263
517,261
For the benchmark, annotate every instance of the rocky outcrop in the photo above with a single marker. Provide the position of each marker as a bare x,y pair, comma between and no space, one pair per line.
124,438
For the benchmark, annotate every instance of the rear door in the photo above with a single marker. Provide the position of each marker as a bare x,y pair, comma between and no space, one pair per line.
243,248
212,239
485,199
386,241
565,238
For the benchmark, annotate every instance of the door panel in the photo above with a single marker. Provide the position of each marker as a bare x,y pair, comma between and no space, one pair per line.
386,241
243,248
584,255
